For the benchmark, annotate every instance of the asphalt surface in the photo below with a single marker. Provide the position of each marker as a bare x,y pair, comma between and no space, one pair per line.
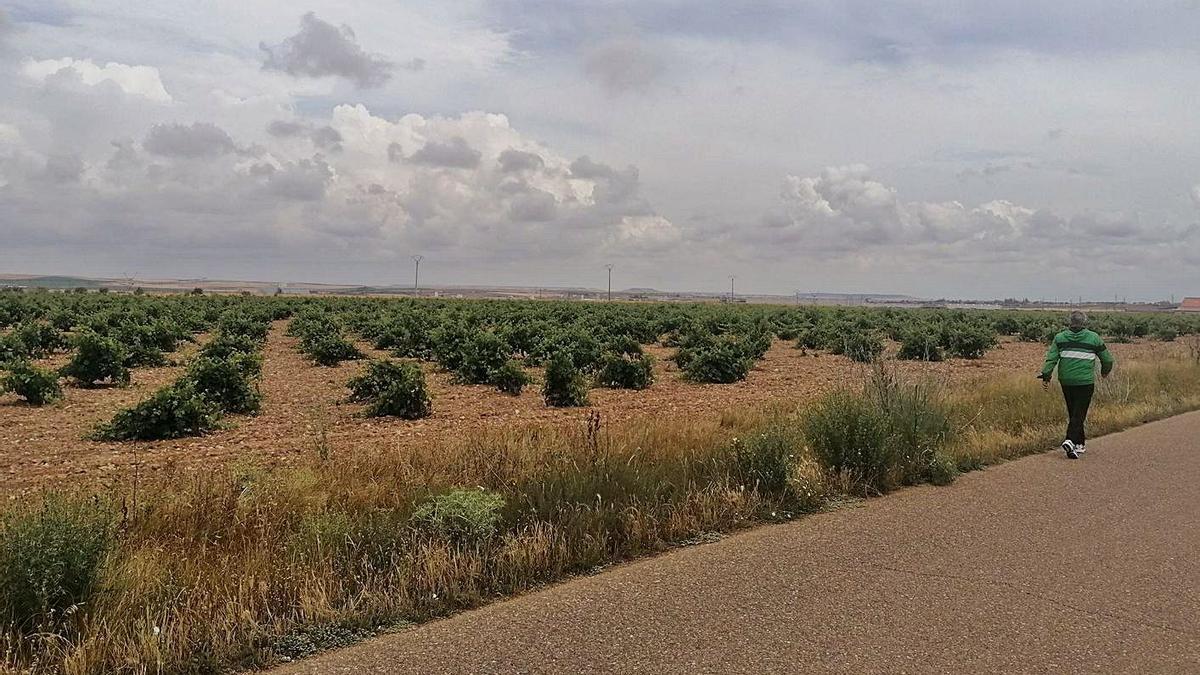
1042,565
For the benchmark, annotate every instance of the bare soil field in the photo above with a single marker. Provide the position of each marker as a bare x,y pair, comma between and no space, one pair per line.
304,409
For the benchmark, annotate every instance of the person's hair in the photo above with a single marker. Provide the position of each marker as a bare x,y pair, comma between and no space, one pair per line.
1077,319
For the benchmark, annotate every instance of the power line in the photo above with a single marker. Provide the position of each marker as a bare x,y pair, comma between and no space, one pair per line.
417,273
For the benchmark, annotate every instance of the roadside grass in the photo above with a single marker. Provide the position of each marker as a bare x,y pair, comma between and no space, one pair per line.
1008,417
243,567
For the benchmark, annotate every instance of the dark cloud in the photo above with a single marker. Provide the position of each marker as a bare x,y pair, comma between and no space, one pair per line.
454,153
286,128
63,168
623,65
124,157
321,49
612,186
304,180
533,206
327,138
201,139
587,169
518,160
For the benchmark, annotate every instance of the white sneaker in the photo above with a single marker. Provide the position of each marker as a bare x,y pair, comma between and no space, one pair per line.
1068,447
1080,449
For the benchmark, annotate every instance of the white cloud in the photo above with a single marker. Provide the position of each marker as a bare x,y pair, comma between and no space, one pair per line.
135,80
844,211
1196,194
195,184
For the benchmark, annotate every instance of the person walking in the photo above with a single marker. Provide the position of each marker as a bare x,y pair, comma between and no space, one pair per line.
1075,352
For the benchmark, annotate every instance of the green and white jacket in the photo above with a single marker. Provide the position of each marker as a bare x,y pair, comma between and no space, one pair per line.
1075,352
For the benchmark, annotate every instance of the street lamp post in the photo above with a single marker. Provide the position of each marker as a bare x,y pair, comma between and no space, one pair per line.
731,278
609,268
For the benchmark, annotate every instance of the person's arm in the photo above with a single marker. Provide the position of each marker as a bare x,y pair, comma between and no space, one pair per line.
1051,361
1107,361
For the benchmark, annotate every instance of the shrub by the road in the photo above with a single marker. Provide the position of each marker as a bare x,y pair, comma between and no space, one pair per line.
891,434
864,346
328,348
38,386
565,386
968,341
511,378
50,556
625,371
461,516
482,358
920,345
97,360
392,389
175,411
229,382
719,363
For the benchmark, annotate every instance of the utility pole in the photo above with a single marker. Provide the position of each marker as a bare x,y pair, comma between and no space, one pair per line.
417,273
609,268
731,278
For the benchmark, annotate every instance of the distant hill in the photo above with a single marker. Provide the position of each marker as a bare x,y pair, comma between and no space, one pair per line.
51,281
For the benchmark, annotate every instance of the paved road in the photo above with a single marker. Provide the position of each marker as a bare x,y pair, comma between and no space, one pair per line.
1041,565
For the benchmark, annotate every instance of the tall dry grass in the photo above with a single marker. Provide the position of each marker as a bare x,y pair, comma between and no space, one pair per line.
243,567
1013,416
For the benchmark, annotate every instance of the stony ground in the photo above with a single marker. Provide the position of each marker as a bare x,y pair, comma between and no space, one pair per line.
304,407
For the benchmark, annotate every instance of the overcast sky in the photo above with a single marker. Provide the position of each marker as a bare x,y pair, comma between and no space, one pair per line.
960,149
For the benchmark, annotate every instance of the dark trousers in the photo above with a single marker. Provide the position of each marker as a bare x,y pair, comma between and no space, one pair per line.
1078,398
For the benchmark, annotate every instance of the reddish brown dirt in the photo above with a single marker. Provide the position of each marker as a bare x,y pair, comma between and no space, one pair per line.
304,403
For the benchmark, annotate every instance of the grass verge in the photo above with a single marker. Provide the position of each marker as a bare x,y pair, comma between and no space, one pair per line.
245,567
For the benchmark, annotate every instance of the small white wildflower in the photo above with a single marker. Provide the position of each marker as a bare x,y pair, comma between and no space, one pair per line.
156,630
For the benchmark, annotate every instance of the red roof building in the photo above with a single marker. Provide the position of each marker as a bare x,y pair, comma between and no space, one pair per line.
1190,305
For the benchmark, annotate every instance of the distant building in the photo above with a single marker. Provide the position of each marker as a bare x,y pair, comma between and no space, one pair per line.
1190,305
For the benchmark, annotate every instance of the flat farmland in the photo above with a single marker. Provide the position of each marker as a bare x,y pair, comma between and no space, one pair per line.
238,481
305,407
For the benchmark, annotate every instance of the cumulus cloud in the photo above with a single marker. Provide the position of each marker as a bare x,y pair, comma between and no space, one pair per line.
134,80
623,65
843,210
321,49
200,139
454,153
195,184
1196,195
